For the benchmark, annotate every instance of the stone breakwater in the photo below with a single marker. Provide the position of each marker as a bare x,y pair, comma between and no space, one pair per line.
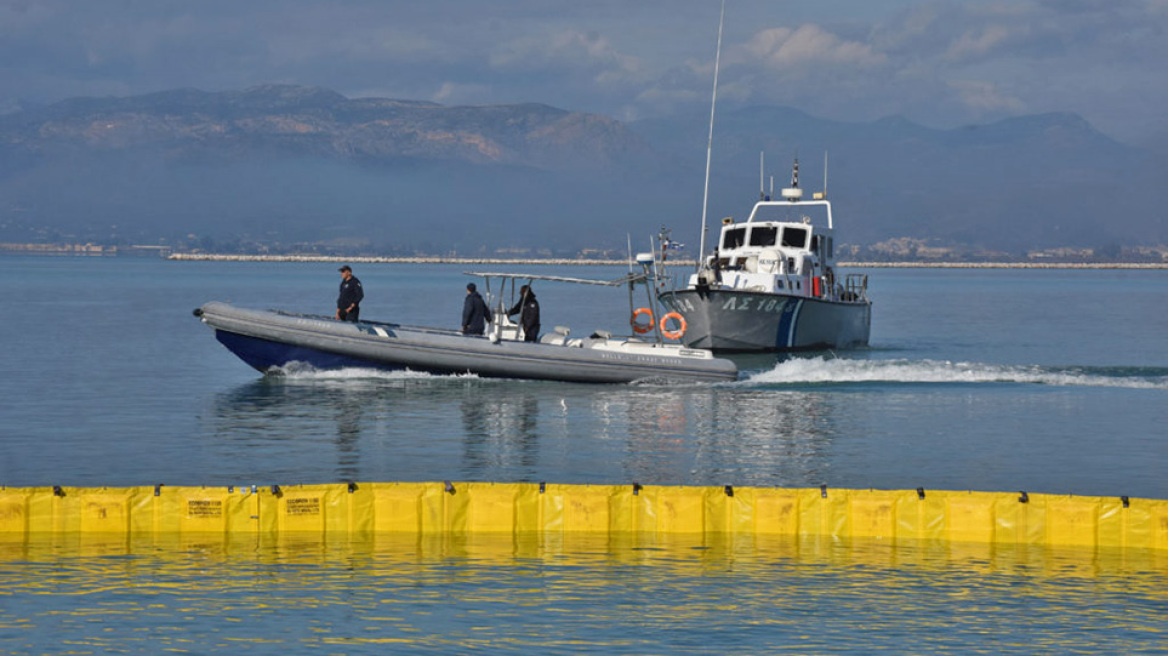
211,257
1006,265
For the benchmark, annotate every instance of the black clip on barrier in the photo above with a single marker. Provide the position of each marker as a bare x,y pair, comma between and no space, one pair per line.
823,490
57,491
636,489
1126,501
230,489
1025,498
158,489
921,493
276,490
352,487
542,487
448,487
729,490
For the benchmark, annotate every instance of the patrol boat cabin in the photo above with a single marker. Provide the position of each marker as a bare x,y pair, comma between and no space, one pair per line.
771,283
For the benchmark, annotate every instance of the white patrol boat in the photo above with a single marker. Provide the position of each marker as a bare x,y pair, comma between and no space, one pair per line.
771,283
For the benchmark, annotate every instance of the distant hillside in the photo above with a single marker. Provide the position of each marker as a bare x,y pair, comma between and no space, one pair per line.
314,122
292,167
287,164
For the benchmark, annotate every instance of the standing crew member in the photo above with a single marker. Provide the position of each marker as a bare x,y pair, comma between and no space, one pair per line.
349,299
475,314
528,310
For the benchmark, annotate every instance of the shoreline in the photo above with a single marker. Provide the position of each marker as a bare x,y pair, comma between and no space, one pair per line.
210,257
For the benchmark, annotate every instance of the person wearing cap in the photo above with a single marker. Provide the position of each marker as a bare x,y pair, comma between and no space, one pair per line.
349,299
475,314
528,310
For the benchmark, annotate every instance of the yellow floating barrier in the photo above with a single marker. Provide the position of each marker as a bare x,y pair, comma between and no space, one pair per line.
438,508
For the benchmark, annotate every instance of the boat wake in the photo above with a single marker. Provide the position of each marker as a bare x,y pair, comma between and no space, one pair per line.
816,371
307,373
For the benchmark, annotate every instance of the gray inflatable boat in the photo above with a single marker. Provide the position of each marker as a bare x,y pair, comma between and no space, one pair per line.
270,340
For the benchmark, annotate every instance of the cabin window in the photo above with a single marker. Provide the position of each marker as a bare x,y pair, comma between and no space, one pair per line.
763,236
733,238
795,237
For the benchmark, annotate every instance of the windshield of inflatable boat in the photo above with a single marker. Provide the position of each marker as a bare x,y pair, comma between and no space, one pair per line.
504,285
503,289
528,277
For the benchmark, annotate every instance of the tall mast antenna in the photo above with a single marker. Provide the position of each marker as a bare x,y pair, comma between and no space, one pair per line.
825,174
710,143
761,177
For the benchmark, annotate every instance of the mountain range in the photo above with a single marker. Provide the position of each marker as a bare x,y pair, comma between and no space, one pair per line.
283,167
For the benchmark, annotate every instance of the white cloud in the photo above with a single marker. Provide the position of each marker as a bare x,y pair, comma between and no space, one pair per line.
566,49
809,44
984,96
660,96
366,45
452,93
983,40
943,62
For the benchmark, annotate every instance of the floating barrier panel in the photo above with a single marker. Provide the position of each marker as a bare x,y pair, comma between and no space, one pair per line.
439,508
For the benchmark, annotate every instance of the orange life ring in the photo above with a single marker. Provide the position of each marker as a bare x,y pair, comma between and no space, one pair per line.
673,334
642,328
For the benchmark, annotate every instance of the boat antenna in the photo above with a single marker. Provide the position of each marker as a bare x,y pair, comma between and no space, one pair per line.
710,142
761,176
825,174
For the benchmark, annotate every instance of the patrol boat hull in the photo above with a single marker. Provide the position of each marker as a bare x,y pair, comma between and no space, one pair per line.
270,340
728,320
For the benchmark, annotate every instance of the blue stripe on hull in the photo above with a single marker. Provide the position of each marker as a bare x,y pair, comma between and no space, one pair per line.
785,335
264,354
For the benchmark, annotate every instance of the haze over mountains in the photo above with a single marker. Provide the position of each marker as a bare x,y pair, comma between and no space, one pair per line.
288,166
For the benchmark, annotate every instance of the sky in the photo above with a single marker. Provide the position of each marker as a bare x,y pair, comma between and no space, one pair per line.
941,63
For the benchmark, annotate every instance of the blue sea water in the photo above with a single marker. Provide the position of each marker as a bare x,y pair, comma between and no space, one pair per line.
1049,381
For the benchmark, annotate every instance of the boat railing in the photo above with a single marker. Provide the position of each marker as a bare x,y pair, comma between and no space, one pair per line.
855,288
325,317
390,325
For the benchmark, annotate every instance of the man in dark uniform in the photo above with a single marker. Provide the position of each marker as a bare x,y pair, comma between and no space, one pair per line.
349,299
475,314
528,310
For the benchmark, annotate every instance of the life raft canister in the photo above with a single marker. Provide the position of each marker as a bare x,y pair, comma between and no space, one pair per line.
641,328
673,334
